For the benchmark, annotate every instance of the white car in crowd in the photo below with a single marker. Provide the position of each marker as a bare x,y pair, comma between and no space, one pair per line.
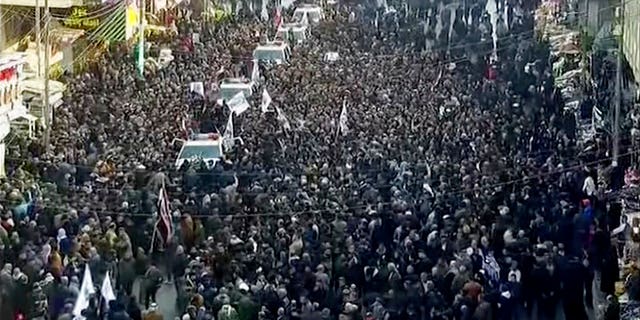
229,87
293,32
207,147
308,14
274,51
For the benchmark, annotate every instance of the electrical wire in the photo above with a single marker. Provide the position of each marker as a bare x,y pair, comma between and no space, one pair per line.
440,63
448,48
98,13
381,56
127,171
362,207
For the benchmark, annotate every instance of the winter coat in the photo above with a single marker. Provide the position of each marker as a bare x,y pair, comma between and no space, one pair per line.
153,315
126,271
119,315
483,312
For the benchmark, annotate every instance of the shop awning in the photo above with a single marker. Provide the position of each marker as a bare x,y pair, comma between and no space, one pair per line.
34,85
113,29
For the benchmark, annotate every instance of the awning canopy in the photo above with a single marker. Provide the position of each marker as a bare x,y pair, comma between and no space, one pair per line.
35,85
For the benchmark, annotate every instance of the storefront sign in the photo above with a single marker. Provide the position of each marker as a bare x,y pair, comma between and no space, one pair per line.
132,20
80,20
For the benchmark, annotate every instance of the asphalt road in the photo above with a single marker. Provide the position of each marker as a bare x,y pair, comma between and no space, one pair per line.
166,299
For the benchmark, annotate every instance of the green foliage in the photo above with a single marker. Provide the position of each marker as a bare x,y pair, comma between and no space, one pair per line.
56,71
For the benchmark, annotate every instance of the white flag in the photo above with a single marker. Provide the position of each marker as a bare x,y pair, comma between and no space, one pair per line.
238,104
266,101
228,130
86,290
264,13
375,22
197,87
283,119
107,290
255,72
227,138
342,122
596,117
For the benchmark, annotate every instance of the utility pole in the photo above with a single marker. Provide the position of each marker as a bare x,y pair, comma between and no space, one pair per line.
48,112
618,94
206,15
141,39
38,40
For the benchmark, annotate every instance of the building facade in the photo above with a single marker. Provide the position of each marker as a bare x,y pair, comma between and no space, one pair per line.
13,113
631,35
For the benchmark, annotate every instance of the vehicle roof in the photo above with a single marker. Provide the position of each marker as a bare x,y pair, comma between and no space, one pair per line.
213,143
307,6
272,45
236,81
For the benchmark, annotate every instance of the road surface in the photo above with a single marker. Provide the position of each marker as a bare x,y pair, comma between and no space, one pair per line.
166,299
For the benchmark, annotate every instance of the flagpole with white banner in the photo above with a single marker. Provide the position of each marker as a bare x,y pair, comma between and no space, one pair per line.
106,294
86,290
106,290
342,121
266,101
227,136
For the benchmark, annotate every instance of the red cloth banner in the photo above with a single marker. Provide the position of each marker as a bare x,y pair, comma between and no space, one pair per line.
7,74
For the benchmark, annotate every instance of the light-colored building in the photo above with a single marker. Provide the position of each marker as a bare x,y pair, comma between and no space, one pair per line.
594,13
631,35
13,113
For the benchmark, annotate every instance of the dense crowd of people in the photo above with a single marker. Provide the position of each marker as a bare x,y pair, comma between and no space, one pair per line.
457,191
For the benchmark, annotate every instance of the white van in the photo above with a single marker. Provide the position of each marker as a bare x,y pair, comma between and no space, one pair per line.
206,147
296,30
274,51
229,87
308,14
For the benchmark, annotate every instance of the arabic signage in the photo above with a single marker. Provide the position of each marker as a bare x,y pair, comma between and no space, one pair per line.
80,19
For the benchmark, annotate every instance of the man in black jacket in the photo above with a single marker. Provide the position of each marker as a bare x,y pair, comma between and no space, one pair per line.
180,263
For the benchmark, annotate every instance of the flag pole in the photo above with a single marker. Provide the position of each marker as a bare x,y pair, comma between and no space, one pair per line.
153,236
140,57
158,217
100,304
